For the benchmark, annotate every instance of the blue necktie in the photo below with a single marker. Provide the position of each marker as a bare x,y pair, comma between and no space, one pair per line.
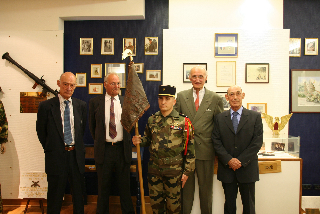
67,126
235,121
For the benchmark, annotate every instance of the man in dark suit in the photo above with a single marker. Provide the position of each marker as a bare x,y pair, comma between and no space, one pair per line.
237,138
112,145
200,105
60,127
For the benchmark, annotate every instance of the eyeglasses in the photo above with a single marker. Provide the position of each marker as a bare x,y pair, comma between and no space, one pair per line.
235,94
197,76
114,83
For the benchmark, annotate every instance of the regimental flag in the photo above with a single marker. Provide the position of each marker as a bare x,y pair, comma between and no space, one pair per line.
135,100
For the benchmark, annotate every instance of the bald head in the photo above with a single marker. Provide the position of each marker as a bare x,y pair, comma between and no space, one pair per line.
67,84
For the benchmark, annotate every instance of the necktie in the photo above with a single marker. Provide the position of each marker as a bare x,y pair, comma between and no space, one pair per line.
235,121
112,122
197,101
67,126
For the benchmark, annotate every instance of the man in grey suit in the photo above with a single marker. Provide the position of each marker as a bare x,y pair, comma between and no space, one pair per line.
237,138
200,105
112,145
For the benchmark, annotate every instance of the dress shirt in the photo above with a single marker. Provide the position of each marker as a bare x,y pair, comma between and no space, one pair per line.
201,95
239,113
62,107
117,115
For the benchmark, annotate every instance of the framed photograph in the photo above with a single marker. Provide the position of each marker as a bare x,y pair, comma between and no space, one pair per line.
187,68
258,107
139,68
295,47
151,46
86,46
95,88
226,45
120,69
311,46
257,72
226,105
81,79
305,91
130,43
153,75
226,73
96,70
107,46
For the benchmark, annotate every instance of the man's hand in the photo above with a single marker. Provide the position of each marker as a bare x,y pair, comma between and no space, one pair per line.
234,163
184,179
136,140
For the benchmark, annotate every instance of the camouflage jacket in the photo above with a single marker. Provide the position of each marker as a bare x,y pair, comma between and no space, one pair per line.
3,125
166,138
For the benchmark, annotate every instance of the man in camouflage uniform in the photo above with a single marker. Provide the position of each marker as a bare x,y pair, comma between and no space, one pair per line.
3,138
171,161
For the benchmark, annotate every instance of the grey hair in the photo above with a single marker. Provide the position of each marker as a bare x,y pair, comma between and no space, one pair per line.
111,73
199,67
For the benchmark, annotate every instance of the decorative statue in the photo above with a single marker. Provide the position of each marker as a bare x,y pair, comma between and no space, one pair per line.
276,126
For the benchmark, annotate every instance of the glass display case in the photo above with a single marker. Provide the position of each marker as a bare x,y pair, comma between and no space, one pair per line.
290,145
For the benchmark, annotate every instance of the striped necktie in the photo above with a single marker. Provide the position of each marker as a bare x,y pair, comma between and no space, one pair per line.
112,122
235,121
67,126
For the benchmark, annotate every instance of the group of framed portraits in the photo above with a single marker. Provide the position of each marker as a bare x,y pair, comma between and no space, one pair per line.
107,46
310,48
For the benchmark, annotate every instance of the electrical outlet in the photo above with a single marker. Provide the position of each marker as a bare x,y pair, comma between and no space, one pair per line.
316,186
307,186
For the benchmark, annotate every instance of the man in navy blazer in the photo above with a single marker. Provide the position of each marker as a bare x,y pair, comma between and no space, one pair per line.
237,150
62,160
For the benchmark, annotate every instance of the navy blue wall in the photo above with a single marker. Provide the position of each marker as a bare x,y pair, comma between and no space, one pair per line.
303,20
156,19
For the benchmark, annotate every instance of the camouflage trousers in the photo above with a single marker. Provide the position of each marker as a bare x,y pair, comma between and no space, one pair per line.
165,194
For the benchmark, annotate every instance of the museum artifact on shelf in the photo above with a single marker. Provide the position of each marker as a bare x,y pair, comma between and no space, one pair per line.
276,126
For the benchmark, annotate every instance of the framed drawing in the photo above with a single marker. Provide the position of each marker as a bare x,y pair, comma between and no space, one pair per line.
311,46
95,88
86,46
151,46
120,69
258,107
107,46
295,47
81,79
226,105
187,68
226,73
257,72
305,91
139,68
96,70
130,43
226,45
153,75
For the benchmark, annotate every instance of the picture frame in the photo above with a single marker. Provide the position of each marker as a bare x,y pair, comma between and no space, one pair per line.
305,87
130,43
187,68
107,46
95,88
258,107
120,69
226,104
81,79
257,73
311,46
295,47
139,68
226,45
151,45
153,75
86,46
226,73
96,70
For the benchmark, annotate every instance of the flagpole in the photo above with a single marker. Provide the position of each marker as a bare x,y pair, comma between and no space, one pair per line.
140,172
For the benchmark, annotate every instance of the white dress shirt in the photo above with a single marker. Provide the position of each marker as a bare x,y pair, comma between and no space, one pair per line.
201,95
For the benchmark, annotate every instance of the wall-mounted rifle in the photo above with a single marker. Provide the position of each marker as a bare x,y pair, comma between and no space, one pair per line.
45,87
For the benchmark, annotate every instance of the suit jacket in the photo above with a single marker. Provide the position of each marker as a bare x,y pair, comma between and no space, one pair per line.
97,128
50,133
202,120
243,145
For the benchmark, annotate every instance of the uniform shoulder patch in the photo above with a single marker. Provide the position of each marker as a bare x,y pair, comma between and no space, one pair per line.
183,115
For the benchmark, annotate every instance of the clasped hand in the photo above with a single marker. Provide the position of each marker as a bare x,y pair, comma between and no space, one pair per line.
136,140
234,163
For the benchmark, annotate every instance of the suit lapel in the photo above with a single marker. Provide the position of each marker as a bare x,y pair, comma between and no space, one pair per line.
243,119
190,105
229,122
57,115
76,115
206,101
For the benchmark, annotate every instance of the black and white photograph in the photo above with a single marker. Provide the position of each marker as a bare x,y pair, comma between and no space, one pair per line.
151,46
130,43
107,46
81,79
86,46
